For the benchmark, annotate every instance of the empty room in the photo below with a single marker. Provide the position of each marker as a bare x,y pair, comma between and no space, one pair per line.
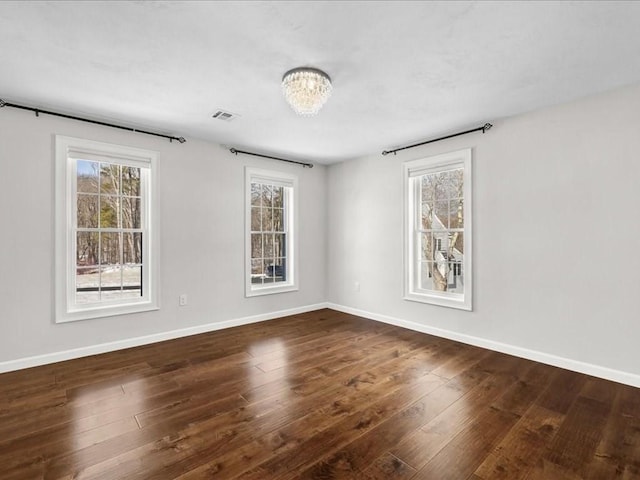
278,240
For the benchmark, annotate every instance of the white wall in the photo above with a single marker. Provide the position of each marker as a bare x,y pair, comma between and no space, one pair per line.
556,229
202,238
556,197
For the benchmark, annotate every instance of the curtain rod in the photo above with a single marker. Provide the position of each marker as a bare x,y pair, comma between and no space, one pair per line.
236,152
484,128
38,111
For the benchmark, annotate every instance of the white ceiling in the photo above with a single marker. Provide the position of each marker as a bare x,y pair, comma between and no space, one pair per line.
403,72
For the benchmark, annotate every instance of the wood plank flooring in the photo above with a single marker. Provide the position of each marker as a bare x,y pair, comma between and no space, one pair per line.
322,395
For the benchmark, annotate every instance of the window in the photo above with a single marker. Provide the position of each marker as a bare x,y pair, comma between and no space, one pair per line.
438,230
105,230
271,238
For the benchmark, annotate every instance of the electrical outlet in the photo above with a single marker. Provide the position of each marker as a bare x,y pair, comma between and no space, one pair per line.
356,286
183,300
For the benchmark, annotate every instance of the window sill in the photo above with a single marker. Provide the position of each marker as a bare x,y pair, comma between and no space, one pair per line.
256,292
105,311
440,300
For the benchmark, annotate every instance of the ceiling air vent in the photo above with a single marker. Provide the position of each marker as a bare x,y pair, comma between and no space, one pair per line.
224,115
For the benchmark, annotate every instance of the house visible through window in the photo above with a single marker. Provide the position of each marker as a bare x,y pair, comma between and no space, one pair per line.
270,232
104,223
438,236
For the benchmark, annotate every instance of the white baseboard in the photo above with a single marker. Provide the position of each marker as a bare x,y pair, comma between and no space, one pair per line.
546,358
562,362
45,359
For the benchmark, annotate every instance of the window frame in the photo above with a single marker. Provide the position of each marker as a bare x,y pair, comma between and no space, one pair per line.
290,181
413,170
68,149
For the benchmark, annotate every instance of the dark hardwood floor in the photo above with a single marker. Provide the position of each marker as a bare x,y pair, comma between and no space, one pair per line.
322,395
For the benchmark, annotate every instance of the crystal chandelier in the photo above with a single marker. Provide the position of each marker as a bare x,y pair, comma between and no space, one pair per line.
306,89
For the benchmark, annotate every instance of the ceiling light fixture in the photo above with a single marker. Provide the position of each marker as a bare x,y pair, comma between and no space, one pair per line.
306,89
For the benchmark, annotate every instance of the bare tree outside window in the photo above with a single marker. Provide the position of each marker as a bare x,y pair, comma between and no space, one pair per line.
441,232
109,235
106,232
268,233
270,226
438,242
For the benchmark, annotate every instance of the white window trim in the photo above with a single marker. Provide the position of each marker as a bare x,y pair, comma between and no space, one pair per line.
419,167
290,180
65,262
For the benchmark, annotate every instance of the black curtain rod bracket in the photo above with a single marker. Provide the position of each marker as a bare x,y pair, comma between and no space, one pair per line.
236,152
484,129
38,111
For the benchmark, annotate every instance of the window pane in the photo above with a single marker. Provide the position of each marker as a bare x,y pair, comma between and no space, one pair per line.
456,279
456,240
132,248
441,219
456,183
131,293
110,279
256,245
433,188
267,220
108,211
427,189
278,219
439,276
439,271
436,191
87,211
452,183
87,247
268,246
456,213
279,245
112,292
109,178
440,245
131,181
132,281
256,219
84,297
426,216
426,246
87,284
131,212
278,270
443,180
268,270
426,279
257,271
278,197
267,194
110,249
87,176
256,194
